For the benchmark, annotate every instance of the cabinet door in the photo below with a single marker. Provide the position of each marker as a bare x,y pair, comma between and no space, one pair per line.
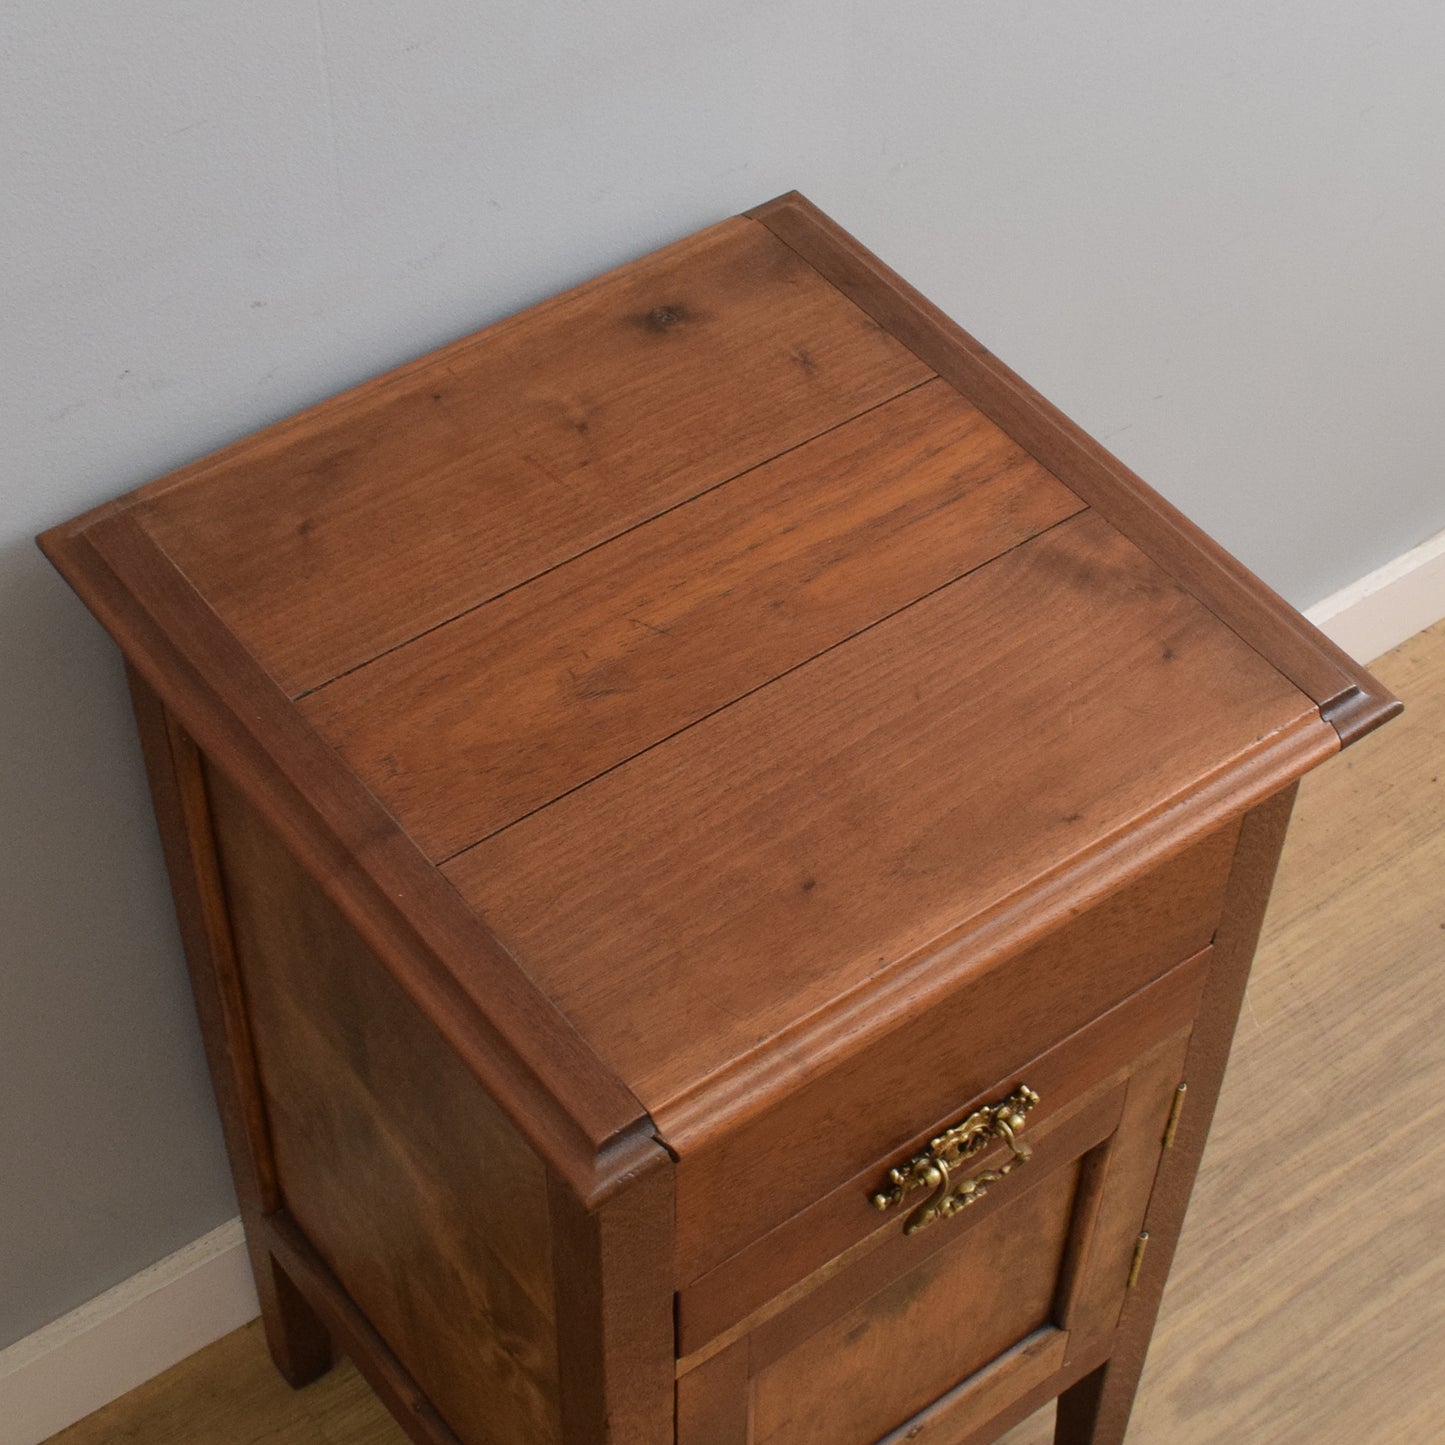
928,1335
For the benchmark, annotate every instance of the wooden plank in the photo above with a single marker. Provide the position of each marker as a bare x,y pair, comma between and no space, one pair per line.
347,530
574,1111
483,720
1351,699
1089,1203
798,844
405,1177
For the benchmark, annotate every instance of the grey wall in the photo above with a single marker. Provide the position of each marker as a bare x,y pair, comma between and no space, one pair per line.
1212,233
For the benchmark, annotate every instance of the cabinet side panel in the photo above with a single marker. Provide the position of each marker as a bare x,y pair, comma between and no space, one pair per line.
400,1170
299,1343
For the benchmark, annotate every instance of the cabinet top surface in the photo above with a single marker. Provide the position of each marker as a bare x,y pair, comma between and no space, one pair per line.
727,633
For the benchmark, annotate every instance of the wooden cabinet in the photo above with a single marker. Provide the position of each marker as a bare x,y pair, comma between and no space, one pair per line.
719,840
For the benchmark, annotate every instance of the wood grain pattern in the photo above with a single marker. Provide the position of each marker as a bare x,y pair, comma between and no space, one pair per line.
344,532
575,1112
713,1402
873,1367
798,844
404,1176
542,1075
394,1386
612,1282
1353,700
492,716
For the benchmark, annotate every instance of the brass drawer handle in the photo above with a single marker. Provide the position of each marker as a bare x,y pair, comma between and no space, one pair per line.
933,1167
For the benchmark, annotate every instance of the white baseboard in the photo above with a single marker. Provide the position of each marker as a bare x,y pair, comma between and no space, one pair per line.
1394,602
123,1338
129,1334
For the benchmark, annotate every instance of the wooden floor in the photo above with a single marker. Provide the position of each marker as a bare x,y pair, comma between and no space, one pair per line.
1307,1304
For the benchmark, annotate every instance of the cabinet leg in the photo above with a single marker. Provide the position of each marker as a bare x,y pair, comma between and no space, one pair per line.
299,1343
1095,1411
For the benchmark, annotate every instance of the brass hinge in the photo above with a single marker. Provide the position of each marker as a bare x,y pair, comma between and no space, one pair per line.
1140,1245
1172,1127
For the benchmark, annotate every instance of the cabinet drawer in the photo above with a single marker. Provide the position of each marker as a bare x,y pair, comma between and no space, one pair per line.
939,1323
970,1025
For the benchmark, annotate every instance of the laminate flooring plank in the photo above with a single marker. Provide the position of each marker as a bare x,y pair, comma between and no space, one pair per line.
230,1394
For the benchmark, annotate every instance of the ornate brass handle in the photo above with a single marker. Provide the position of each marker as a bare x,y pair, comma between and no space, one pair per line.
933,1167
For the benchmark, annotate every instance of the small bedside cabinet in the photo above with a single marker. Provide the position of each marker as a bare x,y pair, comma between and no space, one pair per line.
719,840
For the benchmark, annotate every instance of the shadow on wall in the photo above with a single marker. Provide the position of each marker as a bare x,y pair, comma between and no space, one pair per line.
107,1128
